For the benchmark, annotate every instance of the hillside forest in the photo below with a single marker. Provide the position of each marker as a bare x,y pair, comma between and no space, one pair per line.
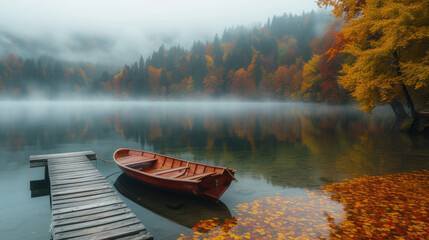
283,59
288,58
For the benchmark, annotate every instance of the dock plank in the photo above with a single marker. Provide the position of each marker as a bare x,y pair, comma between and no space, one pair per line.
83,179
56,206
78,190
92,217
61,155
70,200
73,175
94,223
89,212
73,167
98,229
41,160
60,185
141,236
83,204
83,194
119,232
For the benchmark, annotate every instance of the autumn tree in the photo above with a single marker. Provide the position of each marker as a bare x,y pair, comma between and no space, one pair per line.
311,79
212,84
154,80
187,86
265,88
389,43
330,90
255,69
291,85
242,85
279,82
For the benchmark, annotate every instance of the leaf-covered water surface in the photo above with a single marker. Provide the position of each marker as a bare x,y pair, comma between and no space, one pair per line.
393,206
276,217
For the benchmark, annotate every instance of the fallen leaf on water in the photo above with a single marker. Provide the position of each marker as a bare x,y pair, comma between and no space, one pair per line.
369,207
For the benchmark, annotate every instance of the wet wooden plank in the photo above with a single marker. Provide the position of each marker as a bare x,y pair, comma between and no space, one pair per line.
99,229
90,212
82,194
86,218
61,155
78,199
71,165
95,223
58,180
88,206
66,161
137,229
73,175
140,236
58,206
81,184
69,160
41,160
59,171
78,180
78,190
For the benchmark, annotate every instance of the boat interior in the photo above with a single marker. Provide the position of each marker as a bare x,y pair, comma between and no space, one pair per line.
166,167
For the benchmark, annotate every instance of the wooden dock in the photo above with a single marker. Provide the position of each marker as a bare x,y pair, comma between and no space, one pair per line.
84,205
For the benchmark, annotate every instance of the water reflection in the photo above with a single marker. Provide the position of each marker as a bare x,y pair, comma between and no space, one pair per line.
274,146
181,209
278,217
295,145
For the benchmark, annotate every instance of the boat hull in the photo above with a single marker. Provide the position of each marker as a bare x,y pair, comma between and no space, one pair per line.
212,185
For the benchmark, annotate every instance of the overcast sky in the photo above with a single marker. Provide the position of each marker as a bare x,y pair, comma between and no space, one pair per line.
125,29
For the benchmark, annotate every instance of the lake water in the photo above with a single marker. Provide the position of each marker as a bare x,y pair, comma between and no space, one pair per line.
277,149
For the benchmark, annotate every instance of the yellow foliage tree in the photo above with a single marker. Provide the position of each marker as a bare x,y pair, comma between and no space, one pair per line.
210,63
311,79
389,42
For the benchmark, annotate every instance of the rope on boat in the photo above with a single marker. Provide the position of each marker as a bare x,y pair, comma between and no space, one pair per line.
103,159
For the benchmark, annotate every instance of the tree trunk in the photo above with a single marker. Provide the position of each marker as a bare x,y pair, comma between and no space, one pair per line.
398,109
403,121
410,123
410,104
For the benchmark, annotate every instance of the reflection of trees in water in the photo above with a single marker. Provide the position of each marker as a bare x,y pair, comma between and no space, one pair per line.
49,132
294,146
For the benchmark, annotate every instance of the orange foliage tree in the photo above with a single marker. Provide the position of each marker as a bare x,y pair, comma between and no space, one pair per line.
388,40
242,85
154,79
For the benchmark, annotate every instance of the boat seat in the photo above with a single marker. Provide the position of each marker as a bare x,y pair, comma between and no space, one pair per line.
198,176
169,170
136,160
178,175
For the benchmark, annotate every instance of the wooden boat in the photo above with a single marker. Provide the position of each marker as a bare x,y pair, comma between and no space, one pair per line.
174,174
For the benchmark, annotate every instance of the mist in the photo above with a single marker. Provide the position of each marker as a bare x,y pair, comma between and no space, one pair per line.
112,32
